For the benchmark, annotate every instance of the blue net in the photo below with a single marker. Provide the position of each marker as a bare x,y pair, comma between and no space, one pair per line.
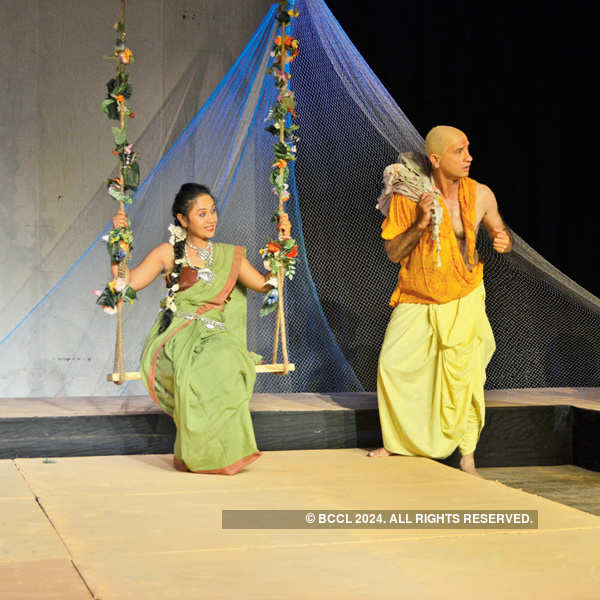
337,305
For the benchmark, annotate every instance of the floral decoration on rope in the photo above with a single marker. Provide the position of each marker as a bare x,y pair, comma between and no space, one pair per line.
116,107
280,255
116,291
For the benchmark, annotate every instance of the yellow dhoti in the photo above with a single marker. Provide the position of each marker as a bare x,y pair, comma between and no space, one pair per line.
431,374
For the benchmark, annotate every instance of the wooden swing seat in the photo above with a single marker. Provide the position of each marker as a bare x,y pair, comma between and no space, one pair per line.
135,375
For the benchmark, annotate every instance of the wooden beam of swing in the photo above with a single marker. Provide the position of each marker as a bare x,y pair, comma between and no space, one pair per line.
136,376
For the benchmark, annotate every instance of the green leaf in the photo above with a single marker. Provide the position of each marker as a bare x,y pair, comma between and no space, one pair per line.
132,176
283,17
130,293
119,135
281,150
119,196
107,298
267,309
106,103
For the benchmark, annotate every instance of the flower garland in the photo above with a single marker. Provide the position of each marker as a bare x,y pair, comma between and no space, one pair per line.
281,254
177,236
120,239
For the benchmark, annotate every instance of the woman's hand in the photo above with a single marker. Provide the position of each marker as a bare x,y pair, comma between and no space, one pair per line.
120,220
284,227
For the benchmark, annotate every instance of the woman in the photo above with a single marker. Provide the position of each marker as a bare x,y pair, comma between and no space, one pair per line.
195,363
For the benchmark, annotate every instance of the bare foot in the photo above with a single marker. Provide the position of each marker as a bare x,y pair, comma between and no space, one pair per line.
380,452
467,464
180,465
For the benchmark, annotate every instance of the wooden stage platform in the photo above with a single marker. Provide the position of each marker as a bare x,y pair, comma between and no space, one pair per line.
131,527
523,427
125,525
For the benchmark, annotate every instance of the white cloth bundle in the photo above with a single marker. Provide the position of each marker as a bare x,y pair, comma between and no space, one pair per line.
411,177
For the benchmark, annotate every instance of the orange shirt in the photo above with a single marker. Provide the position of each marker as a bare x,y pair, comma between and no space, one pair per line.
420,280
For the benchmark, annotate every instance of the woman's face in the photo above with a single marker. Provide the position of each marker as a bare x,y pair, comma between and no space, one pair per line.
201,220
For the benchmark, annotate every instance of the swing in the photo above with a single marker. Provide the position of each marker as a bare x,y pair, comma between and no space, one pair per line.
286,49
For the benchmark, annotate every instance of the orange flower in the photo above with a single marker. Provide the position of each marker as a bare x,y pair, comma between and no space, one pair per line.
132,115
285,198
278,40
124,246
293,252
120,98
282,164
125,56
117,180
273,247
115,152
288,40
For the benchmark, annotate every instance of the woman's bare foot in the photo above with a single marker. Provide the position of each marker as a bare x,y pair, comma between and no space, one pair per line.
380,452
180,465
467,464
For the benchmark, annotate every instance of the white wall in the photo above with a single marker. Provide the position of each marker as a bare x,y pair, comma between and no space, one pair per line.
55,149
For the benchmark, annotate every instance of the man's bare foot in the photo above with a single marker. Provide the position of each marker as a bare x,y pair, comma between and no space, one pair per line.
380,452
467,464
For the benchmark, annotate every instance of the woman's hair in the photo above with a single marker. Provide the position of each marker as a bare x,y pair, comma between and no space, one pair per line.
182,205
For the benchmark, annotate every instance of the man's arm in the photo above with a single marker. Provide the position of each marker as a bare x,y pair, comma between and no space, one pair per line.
492,221
403,244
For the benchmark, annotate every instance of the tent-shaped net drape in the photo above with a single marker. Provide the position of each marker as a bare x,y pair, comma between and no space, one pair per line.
547,327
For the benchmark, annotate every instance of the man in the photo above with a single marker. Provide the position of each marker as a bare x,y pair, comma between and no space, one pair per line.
438,342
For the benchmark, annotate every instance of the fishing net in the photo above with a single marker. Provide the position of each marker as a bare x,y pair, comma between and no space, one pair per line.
546,326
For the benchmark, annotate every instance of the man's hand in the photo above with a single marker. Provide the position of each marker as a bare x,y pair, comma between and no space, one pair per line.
501,240
424,213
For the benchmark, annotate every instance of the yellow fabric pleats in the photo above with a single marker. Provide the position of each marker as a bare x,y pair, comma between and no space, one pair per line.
431,374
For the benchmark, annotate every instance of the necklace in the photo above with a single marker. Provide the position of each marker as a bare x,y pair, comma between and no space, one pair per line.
203,273
204,254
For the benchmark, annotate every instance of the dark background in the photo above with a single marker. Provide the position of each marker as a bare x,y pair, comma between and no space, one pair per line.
514,77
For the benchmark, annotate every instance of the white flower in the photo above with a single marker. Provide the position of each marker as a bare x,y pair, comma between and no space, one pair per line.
178,261
105,238
267,264
109,310
178,234
120,284
272,282
170,303
175,287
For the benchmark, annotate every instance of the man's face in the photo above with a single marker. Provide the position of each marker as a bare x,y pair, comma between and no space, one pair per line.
456,160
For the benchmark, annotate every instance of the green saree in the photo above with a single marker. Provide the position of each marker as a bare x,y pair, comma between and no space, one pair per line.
200,372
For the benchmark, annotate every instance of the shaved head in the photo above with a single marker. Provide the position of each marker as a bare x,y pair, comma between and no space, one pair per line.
440,138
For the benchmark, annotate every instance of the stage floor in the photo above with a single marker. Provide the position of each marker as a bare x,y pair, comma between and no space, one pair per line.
130,527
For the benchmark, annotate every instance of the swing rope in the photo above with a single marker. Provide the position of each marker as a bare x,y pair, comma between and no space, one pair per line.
280,254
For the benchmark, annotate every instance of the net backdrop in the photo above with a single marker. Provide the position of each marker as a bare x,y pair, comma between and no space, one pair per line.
547,327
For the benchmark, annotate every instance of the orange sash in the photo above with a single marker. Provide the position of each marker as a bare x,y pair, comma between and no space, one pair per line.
420,280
